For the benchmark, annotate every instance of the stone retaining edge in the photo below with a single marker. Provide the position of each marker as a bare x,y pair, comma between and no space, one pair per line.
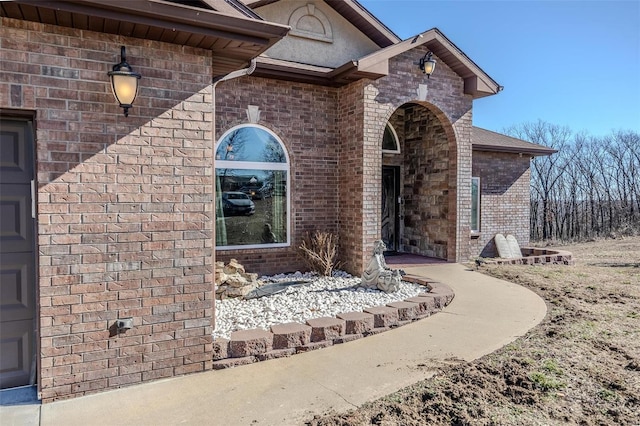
249,346
537,256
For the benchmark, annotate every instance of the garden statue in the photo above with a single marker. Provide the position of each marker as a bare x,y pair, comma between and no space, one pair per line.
267,235
378,275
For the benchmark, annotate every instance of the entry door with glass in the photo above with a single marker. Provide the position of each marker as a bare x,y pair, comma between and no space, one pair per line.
390,207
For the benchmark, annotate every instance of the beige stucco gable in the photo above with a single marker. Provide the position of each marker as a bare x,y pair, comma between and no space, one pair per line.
319,35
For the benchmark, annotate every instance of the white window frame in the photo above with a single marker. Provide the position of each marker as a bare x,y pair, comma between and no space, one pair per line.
250,165
395,137
478,200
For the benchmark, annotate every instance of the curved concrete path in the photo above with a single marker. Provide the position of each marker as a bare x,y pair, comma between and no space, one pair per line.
485,314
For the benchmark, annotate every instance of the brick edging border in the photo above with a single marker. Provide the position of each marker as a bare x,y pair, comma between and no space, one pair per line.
283,340
532,256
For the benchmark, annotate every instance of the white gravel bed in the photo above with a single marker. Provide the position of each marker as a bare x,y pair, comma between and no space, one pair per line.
324,296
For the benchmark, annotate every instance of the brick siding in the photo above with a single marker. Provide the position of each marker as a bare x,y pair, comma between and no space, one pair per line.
303,116
450,110
124,205
504,199
334,136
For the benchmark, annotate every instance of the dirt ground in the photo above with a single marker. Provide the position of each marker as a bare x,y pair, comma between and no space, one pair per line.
581,365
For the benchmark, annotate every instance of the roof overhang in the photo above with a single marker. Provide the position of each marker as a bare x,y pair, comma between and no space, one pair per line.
489,141
376,65
514,150
477,83
312,74
233,36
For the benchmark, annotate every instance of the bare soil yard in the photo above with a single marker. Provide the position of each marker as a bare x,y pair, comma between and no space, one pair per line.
581,365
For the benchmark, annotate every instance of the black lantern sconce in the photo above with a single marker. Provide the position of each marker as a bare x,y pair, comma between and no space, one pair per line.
124,82
427,64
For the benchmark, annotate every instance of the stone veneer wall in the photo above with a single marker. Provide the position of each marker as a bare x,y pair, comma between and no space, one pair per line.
504,199
426,185
124,205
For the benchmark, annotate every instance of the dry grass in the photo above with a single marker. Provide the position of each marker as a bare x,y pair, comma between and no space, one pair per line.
581,365
319,251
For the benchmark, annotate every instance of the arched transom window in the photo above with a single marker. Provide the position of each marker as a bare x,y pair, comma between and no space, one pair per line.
252,189
390,141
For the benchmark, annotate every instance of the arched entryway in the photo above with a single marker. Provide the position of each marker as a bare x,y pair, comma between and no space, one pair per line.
418,185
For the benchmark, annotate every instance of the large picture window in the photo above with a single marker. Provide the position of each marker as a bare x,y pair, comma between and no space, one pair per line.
252,189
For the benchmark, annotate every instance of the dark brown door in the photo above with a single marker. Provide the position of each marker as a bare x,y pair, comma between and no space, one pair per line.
17,254
390,206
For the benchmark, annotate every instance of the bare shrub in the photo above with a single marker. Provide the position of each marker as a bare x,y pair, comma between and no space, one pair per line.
319,250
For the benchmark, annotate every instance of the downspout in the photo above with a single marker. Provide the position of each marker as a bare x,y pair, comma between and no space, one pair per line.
234,74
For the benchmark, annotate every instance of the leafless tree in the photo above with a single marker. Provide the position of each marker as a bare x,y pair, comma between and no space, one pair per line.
590,188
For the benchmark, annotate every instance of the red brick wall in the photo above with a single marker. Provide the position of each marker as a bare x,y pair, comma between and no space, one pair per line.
504,195
355,193
451,108
124,205
304,117
334,137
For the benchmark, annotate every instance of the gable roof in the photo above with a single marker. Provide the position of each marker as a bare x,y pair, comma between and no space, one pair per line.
476,82
376,65
486,140
356,14
232,31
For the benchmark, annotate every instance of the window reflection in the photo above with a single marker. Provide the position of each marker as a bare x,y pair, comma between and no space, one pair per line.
251,189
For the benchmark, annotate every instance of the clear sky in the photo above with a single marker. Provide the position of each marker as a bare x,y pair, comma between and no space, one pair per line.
571,63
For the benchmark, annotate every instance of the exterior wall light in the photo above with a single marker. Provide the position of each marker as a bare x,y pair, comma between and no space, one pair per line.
427,64
124,82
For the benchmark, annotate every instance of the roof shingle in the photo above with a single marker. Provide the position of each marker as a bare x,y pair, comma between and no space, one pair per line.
486,140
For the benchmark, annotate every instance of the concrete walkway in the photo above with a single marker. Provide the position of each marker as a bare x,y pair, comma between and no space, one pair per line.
486,314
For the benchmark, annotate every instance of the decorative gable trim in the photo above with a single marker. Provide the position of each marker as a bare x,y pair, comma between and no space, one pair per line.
302,16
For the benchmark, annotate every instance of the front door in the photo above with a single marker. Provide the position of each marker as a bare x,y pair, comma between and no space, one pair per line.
390,207
17,254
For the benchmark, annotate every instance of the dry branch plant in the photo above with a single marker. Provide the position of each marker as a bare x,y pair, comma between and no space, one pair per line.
319,251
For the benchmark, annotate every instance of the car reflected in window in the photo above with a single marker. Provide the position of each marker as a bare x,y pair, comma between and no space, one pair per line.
237,203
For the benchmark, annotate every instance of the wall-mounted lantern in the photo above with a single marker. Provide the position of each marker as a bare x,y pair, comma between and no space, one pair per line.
124,82
427,64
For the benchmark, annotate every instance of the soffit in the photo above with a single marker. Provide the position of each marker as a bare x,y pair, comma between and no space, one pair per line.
306,73
234,37
486,140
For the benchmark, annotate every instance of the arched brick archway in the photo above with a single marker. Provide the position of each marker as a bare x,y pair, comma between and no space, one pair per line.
426,167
